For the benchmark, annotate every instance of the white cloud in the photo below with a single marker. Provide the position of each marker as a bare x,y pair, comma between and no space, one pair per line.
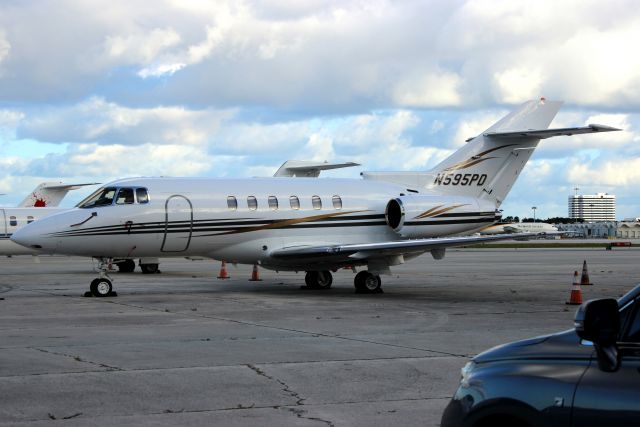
5,46
612,172
431,90
96,120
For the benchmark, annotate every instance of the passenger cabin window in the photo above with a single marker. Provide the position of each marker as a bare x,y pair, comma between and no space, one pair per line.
125,197
252,203
294,202
13,221
273,203
337,202
232,203
142,195
102,197
316,202
29,219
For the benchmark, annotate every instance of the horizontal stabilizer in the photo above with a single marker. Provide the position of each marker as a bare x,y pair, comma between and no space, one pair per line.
549,133
310,169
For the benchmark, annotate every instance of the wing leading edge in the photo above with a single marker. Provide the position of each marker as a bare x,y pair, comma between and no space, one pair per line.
383,249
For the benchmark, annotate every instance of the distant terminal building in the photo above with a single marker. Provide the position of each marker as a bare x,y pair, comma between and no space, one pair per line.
593,207
629,228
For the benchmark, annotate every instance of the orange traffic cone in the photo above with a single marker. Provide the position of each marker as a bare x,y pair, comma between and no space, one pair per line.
223,271
584,280
255,276
576,292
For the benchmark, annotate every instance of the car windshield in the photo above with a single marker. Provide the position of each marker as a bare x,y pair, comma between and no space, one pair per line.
102,197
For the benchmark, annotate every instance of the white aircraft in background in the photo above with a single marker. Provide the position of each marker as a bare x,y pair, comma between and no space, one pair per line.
520,227
42,201
307,224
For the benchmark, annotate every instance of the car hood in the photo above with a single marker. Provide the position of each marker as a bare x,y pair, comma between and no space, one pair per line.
562,345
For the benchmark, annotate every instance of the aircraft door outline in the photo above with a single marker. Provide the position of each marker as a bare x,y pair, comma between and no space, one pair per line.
177,209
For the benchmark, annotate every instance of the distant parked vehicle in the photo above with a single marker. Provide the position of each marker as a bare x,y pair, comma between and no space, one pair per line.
587,376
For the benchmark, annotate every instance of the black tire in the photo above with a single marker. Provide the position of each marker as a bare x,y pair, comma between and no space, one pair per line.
149,268
101,287
318,279
126,266
367,283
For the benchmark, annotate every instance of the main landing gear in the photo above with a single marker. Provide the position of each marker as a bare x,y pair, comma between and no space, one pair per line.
102,286
364,282
367,283
318,279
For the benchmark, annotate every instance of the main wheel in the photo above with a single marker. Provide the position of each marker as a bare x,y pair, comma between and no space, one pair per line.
318,279
101,287
126,266
367,283
149,268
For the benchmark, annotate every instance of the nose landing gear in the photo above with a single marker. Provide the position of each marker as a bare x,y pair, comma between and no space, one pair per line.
102,286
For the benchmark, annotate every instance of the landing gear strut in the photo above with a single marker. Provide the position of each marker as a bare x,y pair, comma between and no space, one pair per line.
318,279
102,286
367,283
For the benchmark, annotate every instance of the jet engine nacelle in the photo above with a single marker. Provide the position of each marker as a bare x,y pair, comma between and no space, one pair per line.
423,216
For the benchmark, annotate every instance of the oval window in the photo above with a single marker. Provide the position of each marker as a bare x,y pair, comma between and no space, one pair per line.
252,203
294,202
316,202
337,202
273,203
232,203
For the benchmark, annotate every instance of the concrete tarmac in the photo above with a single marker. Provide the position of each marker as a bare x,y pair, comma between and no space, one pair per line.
184,348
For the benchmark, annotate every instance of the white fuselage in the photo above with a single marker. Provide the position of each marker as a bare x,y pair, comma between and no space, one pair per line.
194,217
11,219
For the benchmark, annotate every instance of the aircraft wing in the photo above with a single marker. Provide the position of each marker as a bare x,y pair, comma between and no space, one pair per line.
383,249
548,133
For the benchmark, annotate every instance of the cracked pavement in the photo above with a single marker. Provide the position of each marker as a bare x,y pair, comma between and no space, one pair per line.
184,348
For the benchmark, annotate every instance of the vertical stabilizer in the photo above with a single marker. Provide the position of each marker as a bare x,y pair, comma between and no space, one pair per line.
489,164
49,194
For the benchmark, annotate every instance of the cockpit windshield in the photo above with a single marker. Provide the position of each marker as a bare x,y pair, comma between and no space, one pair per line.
107,195
102,197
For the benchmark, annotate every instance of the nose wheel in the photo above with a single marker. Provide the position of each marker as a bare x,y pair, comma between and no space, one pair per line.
102,286
367,283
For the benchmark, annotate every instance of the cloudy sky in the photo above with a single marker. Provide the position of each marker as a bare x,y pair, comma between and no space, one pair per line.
98,90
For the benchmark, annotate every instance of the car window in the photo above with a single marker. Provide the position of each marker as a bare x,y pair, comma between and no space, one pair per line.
634,328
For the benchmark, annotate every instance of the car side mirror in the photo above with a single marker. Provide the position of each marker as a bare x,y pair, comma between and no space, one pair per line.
598,321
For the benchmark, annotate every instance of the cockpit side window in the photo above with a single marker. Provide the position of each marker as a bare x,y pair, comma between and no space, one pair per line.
142,195
125,197
102,197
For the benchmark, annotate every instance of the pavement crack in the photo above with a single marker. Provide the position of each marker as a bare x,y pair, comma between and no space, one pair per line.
77,359
297,409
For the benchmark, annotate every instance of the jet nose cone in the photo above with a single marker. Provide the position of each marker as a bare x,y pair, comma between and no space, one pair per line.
27,236
35,236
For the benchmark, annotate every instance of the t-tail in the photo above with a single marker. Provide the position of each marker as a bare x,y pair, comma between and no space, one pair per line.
49,194
489,164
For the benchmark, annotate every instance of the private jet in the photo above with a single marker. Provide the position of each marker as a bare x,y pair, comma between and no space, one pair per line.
298,222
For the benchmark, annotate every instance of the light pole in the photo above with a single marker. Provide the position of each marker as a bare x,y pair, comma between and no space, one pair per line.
534,212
